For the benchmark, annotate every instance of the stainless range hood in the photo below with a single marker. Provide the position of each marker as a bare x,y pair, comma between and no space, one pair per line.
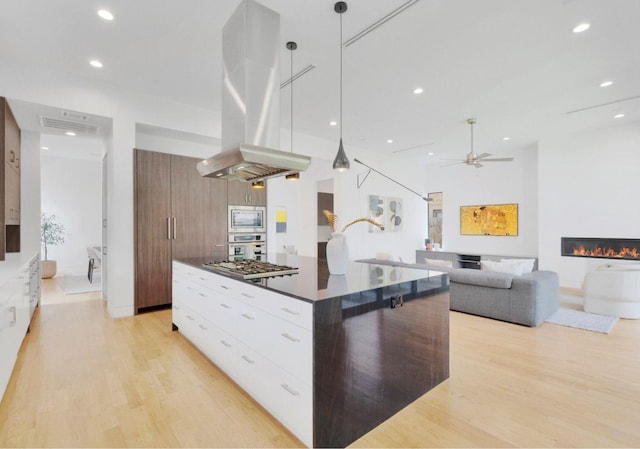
251,100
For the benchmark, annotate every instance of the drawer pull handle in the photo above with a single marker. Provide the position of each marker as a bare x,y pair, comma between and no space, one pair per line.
224,305
225,287
224,343
203,279
202,294
189,317
292,312
290,337
204,328
247,295
176,307
290,390
189,288
248,360
247,316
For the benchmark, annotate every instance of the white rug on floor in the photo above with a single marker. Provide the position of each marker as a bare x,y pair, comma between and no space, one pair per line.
569,315
73,285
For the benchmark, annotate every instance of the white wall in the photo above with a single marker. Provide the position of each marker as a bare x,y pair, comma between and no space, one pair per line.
589,186
494,183
72,190
30,193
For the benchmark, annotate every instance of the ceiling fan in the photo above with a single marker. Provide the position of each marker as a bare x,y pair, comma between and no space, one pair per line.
473,158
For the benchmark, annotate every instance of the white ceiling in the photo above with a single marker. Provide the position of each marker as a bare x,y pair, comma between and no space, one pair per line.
516,65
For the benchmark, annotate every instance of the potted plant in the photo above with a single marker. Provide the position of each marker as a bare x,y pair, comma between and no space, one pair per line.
51,234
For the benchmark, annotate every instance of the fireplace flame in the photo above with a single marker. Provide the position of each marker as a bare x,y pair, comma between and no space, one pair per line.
624,252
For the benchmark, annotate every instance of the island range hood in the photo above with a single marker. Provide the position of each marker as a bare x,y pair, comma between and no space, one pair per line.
251,100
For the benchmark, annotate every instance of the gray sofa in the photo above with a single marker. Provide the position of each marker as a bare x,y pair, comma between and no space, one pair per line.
527,299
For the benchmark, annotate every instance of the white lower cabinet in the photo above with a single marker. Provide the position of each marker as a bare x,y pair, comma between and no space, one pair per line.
261,339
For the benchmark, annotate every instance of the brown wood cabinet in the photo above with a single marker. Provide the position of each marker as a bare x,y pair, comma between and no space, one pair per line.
9,181
178,214
241,193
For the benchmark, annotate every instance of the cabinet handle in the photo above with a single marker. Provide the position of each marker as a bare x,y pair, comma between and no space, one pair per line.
189,317
249,317
176,307
203,279
175,228
204,328
290,390
168,228
290,337
247,295
202,294
248,360
15,317
292,312
224,305
225,344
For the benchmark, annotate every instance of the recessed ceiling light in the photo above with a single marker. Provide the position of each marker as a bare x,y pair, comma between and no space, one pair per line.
418,90
95,63
430,153
506,138
389,141
106,15
618,116
582,27
606,84
333,123
70,133
44,148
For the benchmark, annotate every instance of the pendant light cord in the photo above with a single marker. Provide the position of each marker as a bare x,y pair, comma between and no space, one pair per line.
291,83
340,76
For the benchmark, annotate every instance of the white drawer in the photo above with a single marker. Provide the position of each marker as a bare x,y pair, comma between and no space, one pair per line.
223,351
290,309
288,399
285,344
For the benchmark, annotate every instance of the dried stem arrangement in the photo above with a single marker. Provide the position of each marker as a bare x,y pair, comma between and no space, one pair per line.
333,218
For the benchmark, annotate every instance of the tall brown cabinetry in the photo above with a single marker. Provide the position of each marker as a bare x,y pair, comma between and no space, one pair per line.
9,181
178,214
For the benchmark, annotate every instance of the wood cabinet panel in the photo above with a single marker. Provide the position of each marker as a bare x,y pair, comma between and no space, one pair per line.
179,214
242,194
9,181
152,229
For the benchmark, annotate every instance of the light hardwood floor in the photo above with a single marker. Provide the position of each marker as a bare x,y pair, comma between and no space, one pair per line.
85,380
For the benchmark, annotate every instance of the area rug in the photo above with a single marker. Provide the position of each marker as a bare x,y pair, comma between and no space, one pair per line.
73,285
582,320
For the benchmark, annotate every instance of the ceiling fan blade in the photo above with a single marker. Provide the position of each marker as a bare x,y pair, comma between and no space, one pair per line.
498,159
445,159
455,163
483,155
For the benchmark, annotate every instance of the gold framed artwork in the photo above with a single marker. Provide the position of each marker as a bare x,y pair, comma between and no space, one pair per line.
491,219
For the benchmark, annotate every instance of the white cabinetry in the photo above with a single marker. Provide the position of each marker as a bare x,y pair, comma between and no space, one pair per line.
262,339
19,295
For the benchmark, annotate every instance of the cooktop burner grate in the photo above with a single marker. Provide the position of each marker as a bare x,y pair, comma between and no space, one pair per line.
250,269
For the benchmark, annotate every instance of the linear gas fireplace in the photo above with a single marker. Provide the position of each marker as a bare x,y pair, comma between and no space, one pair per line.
601,248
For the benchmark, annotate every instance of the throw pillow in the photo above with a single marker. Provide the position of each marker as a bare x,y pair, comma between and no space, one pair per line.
528,263
502,267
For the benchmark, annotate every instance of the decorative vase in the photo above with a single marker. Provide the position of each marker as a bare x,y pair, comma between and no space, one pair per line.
337,253
48,269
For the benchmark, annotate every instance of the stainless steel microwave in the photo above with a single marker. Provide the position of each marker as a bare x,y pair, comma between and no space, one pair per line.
247,218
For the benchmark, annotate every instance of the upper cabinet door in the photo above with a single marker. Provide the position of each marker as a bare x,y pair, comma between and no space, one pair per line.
242,194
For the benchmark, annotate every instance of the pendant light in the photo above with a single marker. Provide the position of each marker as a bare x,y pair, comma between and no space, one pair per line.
292,46
341,162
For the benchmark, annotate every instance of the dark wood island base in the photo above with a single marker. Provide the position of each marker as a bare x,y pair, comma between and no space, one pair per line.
370,366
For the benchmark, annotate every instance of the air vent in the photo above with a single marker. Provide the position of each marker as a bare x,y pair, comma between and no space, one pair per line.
67,125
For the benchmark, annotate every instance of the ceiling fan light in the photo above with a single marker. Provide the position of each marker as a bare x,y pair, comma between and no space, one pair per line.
341,162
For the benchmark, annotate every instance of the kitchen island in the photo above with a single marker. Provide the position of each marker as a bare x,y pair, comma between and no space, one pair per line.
330,357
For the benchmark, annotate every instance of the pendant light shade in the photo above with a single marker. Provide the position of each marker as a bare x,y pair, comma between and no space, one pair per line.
292,46
341,162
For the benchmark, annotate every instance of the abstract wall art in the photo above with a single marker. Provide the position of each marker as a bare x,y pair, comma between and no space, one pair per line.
491,219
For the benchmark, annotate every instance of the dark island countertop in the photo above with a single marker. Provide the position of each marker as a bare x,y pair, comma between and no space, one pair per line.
363,280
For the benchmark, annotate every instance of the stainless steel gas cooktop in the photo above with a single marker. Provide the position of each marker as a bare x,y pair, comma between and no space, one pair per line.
250,269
